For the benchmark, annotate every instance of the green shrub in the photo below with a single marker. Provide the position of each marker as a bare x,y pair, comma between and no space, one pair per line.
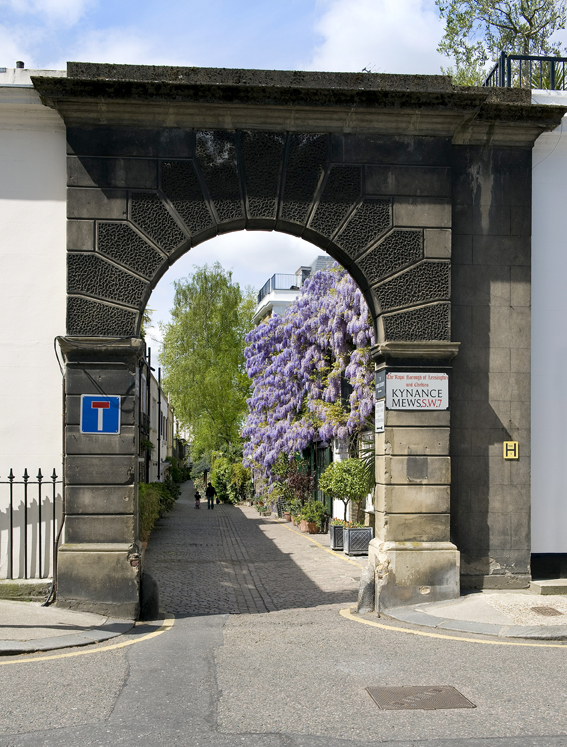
149,508
313,511
295,507
240,483
168,492
178,472
220,478
154,500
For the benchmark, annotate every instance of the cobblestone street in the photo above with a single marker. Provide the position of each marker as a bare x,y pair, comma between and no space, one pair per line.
231,560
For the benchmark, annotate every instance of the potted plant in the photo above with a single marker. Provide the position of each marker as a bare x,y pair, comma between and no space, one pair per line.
348,481
336,534
311,515
294,508
356,538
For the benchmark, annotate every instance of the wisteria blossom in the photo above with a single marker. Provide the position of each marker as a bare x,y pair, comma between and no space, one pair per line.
296,362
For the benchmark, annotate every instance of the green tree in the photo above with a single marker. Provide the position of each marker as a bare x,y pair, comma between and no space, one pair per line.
240,482
345,481
477,31
203,357
220,478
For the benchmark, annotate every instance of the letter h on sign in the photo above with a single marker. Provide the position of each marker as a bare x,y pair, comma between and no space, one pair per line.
511,450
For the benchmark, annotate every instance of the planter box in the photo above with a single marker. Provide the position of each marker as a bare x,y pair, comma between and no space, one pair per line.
336,535
309,527
287,516
356,540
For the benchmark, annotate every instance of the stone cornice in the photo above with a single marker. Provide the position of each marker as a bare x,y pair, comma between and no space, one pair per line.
307,102
429,350
76,349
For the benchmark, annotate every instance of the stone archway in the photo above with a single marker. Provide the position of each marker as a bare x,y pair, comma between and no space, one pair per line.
234,180
364,166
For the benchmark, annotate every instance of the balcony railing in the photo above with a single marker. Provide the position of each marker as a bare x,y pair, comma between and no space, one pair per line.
528,71
278,282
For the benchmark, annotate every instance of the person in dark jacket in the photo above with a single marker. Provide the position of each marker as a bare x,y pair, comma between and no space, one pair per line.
197,499
210,492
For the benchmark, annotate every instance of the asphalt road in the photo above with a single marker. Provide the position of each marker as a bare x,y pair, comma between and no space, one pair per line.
294,676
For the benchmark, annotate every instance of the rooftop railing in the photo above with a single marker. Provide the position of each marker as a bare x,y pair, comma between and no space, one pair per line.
528,71
278,282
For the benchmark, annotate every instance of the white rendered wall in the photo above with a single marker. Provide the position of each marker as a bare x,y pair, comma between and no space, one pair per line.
32,291
549,336
276,302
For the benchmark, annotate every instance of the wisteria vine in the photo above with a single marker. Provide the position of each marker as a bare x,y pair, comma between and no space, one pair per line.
296,362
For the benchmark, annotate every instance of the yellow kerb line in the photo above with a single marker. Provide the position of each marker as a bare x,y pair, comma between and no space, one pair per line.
326,549
349,616
167,625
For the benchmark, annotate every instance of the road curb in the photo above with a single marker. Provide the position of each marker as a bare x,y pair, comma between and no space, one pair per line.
533,632
110,629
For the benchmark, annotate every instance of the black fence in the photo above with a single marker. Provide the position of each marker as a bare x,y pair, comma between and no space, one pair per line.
528,71
31,512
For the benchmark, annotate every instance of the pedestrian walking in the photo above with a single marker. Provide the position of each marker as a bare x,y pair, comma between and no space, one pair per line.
197,499
210,492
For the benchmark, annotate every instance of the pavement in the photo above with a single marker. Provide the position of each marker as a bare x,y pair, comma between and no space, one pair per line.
26,627
260,653
505,614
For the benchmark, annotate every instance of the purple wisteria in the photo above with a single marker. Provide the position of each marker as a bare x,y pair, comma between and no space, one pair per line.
296,362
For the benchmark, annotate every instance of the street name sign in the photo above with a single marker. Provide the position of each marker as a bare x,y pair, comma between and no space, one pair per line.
100,414
380,385
417,391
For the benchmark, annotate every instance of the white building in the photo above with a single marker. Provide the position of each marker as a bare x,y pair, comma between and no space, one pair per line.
33,180
549,336
158,428
281,290
33,269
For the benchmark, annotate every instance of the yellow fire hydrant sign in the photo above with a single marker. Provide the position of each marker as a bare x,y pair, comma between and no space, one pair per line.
511,450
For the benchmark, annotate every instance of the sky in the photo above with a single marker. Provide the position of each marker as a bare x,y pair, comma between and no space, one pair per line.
384,36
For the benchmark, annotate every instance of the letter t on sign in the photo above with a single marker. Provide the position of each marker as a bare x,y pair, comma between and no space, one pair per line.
511,450
100,406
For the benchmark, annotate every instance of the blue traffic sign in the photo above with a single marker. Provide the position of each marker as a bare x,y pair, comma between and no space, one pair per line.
100,414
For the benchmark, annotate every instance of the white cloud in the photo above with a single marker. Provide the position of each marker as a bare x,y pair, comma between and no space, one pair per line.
388,36
127,46
253,257
17,44
66,12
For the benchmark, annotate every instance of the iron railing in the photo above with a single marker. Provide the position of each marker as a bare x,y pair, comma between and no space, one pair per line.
29,520
278,282
528,71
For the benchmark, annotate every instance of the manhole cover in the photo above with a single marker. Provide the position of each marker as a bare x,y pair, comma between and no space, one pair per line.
418,698
547,611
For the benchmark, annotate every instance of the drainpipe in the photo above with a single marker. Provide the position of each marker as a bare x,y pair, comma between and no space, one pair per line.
159,427
149,408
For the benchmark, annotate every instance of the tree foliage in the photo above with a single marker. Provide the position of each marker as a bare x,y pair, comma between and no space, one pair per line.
345,481
203,356
299,362
231,480
477,31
